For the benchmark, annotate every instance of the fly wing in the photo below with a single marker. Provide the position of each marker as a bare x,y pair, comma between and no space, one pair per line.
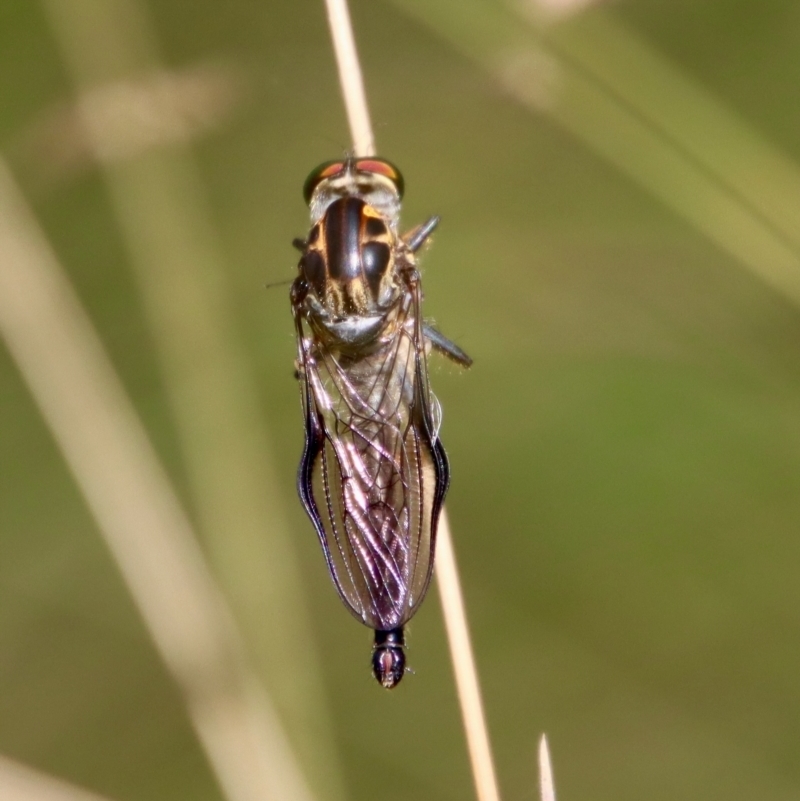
373,474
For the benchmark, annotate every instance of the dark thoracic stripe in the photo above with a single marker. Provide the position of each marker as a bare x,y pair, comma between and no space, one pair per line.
341,233
375,258
374,227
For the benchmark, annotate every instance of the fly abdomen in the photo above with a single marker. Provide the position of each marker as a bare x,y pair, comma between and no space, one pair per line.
388,657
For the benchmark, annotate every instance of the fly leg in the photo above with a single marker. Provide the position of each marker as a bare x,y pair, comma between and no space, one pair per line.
416,237
444,346
414,240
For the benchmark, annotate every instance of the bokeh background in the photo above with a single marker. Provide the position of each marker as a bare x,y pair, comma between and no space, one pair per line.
619,252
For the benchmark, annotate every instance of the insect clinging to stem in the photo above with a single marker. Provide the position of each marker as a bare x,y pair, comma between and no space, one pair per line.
373,475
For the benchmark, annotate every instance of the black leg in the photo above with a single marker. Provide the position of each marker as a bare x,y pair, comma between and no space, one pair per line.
416,237
447,348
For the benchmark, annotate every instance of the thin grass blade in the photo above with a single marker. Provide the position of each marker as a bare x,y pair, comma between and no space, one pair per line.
82,400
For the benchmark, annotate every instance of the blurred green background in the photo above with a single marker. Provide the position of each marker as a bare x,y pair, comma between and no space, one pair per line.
618,254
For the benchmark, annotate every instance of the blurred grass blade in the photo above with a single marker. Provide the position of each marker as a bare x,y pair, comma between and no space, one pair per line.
160,206
547,789
559,9
463,659
684,112
606,114
160,108
18,782
96,428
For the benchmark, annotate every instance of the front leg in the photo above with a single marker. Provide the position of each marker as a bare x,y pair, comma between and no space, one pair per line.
416,237
446,347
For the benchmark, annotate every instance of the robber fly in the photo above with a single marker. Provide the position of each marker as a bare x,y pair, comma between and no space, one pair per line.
374,474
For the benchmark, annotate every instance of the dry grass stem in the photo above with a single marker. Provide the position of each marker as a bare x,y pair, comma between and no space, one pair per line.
447,573
547,790
350,78
469,695
18,782
105,446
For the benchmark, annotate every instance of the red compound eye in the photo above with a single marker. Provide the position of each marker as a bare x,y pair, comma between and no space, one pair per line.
325,170
371,165
384,168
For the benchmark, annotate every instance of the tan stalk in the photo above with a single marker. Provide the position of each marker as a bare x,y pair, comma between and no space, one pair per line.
461,654
19,782
547,790
95,426
455,618
350,78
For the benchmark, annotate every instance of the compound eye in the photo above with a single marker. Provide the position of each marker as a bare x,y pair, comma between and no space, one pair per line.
384,168
325,170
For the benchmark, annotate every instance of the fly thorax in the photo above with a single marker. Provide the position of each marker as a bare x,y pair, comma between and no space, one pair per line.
349,265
